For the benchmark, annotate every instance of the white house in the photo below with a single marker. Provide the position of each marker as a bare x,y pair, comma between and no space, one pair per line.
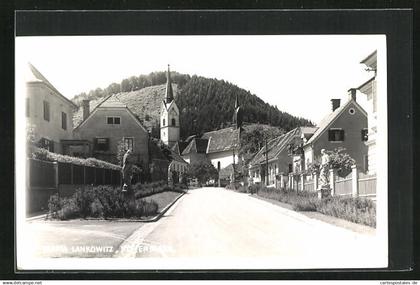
369,88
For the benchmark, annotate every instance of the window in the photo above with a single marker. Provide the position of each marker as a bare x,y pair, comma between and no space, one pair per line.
352,111
46,111
46,144
164,122
173,122
101,144
336,135
129,143
27,108
290,167
365,135
63,121
113,120
218,165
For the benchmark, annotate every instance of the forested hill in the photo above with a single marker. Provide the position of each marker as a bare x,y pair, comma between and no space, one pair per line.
205,104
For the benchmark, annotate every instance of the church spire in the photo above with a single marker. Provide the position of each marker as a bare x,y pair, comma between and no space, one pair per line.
237,114
169,93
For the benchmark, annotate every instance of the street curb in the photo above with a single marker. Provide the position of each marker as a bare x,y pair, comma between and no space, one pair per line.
36,218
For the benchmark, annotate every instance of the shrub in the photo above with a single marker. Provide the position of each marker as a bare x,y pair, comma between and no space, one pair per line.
96,209
69,209
54,205
107,202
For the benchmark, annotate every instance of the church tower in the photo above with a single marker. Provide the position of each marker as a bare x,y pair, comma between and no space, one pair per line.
169,115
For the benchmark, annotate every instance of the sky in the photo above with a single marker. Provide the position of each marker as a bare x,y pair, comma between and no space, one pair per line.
299,74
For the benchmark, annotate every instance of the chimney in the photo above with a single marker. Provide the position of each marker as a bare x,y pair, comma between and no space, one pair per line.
335,104
86,110
352,93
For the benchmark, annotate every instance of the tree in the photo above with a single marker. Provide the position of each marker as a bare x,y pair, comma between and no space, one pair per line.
254,138
203,170
339,160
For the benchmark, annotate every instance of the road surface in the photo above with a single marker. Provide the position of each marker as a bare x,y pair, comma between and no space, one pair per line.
219,225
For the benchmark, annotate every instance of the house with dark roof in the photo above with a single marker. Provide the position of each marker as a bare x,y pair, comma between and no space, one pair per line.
223,146
195,151
48,112
276,156
179,147
345,127
220,147
178,166
110,124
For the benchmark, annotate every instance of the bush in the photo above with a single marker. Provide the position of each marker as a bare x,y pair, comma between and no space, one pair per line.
107,202
54,206
96,209
357,210
69,209
144,190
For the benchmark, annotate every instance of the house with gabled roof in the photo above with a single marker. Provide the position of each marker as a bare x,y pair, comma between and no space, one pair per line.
195,151
276,156
223,146
345,127
220,147
48,112
111,123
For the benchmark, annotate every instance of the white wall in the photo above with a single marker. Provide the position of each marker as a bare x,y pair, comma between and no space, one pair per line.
225,158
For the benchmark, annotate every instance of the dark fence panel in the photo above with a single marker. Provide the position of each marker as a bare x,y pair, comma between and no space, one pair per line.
108,176
64,173
41,173
78,174
116,177
90,175
99,176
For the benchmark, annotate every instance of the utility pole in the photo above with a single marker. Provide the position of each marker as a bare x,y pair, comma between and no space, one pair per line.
266,161
233,165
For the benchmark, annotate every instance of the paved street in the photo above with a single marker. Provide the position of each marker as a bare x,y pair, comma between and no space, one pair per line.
209,228
214,223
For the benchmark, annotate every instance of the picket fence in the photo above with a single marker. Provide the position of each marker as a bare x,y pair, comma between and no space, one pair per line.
355,183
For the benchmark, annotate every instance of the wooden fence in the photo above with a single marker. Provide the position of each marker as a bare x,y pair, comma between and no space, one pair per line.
46,178
356,184
343,185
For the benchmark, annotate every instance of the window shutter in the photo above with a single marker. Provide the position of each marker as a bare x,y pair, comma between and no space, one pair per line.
106,147
341,135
